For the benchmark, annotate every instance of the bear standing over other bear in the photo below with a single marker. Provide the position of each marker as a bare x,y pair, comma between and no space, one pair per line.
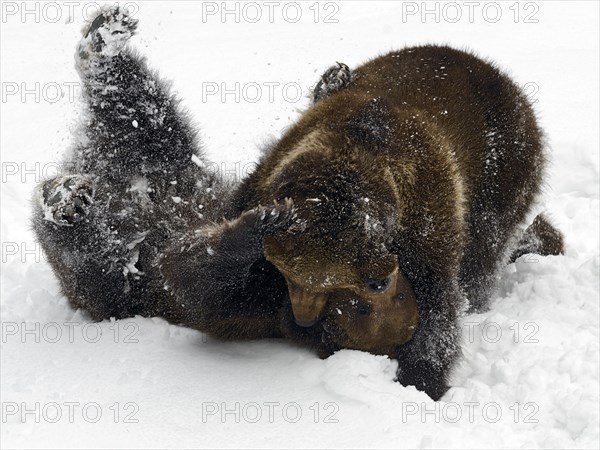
394,198
410,179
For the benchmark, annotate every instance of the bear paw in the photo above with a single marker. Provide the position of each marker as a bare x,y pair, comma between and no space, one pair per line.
66,200
279,217
334,79
108,33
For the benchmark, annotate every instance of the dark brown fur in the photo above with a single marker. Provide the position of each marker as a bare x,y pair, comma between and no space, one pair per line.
417,170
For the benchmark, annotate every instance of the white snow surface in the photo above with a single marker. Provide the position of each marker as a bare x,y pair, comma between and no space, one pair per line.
529,373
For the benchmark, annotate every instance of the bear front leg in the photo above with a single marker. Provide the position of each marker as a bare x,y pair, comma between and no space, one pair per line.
334,79
220,280
426,360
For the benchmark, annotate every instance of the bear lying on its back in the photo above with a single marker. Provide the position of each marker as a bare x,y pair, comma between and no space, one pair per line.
409,179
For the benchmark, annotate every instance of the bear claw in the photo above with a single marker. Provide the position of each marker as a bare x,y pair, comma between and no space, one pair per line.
108,33
66,199
334,79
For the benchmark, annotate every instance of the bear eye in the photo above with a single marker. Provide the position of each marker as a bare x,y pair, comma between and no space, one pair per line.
379,285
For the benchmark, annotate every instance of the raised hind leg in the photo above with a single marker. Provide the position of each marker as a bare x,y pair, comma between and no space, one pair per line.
93,261
133,180
136,127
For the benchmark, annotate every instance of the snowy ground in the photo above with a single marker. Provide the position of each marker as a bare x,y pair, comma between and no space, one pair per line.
529,376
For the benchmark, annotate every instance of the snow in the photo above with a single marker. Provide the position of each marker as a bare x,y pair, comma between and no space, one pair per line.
529,375
197,161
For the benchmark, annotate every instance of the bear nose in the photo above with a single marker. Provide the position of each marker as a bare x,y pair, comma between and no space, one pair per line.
305,323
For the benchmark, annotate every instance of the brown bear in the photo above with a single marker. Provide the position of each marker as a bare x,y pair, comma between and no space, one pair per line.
398,196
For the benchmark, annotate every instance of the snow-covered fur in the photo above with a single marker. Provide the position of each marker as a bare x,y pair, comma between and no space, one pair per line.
133,178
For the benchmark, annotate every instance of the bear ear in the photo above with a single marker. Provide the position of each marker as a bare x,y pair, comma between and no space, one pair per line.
371,124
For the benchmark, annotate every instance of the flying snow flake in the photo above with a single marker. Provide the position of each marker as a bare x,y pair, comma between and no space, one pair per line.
198,161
